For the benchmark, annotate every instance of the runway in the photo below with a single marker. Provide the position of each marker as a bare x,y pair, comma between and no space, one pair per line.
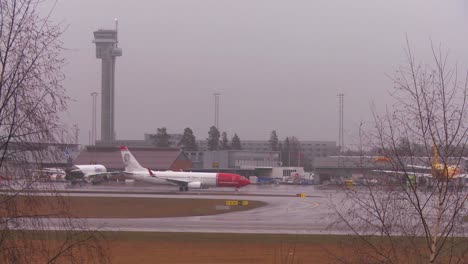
285,213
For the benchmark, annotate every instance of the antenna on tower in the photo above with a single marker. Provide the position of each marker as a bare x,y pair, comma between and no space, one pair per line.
116,30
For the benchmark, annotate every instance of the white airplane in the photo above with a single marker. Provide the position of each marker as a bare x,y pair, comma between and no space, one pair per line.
77,173
52,173
93,173
185,180
89,173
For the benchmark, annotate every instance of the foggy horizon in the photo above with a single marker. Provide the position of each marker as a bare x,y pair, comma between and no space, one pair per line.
278,66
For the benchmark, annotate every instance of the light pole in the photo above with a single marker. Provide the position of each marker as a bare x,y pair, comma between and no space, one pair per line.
216,112
340,135
341,123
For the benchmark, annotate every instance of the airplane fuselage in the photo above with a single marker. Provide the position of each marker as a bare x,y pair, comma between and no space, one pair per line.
88,173
194,179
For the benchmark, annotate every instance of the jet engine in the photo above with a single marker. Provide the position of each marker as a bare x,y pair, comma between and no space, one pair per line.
194,185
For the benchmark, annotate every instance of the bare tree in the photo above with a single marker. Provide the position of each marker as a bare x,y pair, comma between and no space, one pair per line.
31,100
415,213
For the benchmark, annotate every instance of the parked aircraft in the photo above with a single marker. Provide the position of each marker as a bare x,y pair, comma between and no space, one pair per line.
50,173
185,180
438,170
92,173
86,173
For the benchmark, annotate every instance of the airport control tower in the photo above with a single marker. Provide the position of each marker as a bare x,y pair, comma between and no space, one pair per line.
107,50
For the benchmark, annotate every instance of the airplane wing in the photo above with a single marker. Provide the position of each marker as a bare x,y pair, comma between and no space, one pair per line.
101,173
417,174
419,167
91,174
49,170
176,181
90,177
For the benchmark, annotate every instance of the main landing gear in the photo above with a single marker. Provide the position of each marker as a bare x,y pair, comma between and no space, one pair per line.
183,188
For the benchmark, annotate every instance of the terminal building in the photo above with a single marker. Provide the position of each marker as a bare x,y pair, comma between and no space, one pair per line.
240,159
253,153
310,149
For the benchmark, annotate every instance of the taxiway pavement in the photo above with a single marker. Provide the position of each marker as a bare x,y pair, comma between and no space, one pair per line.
285,213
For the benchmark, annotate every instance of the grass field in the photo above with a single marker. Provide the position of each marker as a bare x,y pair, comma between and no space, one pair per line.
124,207
206,248
198,248
219,248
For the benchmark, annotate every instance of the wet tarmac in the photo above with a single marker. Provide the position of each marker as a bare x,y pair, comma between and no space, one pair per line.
286,213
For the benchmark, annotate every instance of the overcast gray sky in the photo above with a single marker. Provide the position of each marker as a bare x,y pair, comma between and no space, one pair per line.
277,64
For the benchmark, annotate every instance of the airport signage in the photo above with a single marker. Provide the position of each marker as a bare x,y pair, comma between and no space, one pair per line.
235,203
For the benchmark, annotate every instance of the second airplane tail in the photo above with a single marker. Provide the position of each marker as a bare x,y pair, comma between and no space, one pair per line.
131,164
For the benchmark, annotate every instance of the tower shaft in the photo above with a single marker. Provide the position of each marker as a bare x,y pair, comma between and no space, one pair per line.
107,51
